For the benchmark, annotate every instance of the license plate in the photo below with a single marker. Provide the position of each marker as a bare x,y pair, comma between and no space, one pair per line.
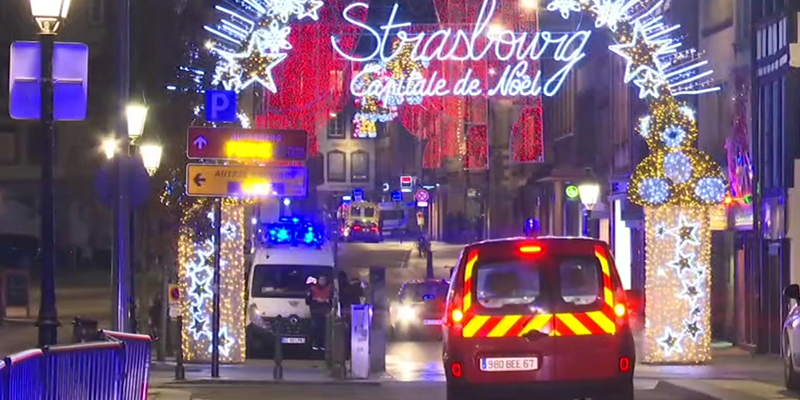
509,364
293,340
432,322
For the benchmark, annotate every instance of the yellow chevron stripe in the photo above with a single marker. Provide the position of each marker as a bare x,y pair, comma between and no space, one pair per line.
474,325
573,324
603,263
504,326
536,324
470,267
603,321
609,296
467,300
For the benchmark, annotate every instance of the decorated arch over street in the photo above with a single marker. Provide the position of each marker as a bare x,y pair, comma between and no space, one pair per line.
429,75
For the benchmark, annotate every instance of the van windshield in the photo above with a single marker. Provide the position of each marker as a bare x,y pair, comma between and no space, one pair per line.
291,281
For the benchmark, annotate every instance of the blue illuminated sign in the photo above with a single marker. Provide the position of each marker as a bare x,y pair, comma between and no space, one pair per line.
222,106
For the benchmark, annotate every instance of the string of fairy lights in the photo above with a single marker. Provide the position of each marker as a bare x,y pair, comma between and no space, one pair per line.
677,184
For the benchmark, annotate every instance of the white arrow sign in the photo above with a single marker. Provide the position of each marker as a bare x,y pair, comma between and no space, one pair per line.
200,142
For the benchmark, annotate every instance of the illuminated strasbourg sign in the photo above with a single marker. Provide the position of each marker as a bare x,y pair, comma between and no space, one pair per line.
267,145
518,52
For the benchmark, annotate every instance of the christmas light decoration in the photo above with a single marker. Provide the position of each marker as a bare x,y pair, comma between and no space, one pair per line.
249,50
196,257
740,168
564,7
677,184
678,324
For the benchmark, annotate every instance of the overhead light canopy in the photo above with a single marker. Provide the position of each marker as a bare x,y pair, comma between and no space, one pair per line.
49,14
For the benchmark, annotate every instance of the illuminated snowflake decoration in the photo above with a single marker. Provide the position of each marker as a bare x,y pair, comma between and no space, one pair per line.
611,12
273,39
711,190
674,136
678,167
565,7
654,190
284,9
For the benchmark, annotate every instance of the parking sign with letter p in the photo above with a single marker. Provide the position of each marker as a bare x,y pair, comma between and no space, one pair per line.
221,106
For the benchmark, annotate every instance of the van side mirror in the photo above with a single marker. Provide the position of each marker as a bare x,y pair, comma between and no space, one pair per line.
792,292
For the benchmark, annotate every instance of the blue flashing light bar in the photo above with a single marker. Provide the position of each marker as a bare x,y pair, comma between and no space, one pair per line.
293,231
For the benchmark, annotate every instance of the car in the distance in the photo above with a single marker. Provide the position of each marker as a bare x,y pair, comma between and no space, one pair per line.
541,317
419,309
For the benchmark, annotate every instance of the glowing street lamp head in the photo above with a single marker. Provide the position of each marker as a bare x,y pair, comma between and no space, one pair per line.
109,146
589,193
151,157
136,115
49,14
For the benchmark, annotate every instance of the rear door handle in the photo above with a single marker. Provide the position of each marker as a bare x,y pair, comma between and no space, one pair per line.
534,335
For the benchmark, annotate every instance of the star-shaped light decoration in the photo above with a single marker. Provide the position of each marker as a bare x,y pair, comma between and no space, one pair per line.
696,312
661,230
684,262
225,342
565,7
649,84
198,326
640,55
670,342
611,12
691,291
692,329
686,232
273,38
200,290
311,10
251,66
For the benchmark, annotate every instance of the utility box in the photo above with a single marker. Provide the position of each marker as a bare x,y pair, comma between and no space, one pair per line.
359,340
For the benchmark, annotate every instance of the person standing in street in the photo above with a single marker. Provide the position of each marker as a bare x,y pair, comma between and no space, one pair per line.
319,302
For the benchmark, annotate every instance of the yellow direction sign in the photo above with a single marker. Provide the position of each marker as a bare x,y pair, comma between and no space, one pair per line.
246,181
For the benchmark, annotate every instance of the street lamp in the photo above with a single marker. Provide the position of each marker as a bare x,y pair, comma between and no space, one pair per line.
109,146
136,115
589,192
151,157
49,14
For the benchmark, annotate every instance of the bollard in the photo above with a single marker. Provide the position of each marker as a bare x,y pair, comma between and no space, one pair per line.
429,265
380,319
277,372
339,370
180,373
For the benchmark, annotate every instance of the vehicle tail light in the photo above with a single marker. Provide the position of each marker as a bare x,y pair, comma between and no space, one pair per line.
624,364
374,228
455,368
356,228
456,316
620,310
530,249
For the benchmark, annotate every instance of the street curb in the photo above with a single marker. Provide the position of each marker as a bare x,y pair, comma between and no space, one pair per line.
684,392
239,382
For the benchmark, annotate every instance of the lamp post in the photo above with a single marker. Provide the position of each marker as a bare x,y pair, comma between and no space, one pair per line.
589,192
49,15
136,116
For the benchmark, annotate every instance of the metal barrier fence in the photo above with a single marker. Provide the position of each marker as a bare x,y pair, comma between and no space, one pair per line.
24,375
91,371
136,365
116,369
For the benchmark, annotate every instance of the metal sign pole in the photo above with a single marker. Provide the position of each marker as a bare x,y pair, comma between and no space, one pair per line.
216,318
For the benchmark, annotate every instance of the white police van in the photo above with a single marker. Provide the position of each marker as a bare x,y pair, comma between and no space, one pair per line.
291,256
